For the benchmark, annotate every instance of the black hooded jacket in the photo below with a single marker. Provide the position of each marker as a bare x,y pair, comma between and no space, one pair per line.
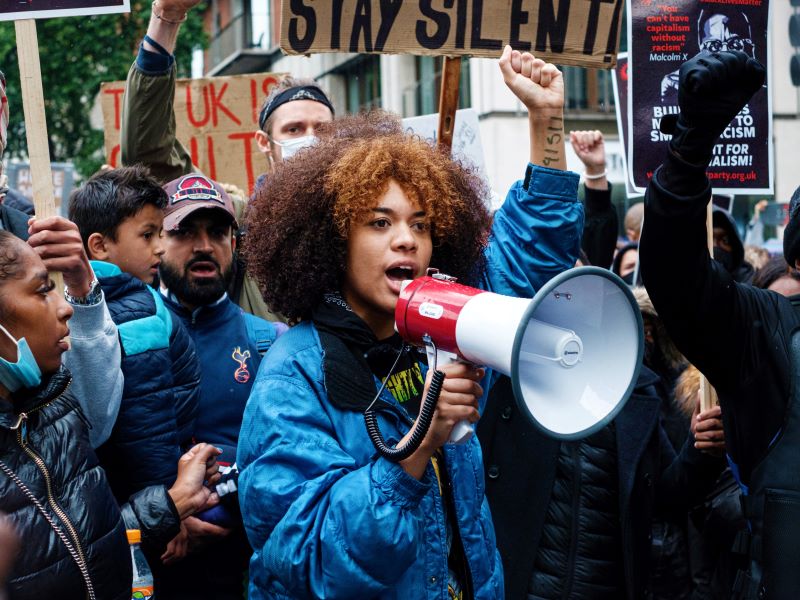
521,470
741,270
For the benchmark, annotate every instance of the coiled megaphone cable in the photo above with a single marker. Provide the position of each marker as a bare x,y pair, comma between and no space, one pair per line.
421,426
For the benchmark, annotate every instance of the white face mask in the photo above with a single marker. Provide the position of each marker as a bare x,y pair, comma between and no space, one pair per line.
292,146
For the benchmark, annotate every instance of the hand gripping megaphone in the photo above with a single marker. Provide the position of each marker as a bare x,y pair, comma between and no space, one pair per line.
573,352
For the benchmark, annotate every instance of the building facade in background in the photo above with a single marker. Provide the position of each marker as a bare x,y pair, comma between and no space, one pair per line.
245,35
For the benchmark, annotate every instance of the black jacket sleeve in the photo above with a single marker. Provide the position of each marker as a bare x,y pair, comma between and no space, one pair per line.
600,228
152,512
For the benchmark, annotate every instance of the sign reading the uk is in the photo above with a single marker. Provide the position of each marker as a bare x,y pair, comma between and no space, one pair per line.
568,32
216,119
15,10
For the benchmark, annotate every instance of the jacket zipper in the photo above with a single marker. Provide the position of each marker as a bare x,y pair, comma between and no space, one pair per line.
39,461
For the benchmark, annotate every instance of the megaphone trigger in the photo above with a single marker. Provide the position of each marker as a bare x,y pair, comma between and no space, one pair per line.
463,430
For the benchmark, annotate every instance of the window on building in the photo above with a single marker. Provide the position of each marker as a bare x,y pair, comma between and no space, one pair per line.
588,90
422,97
362,76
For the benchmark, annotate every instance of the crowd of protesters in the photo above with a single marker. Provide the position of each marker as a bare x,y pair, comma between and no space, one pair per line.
205,374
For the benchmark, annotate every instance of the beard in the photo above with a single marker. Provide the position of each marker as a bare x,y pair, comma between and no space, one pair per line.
195,292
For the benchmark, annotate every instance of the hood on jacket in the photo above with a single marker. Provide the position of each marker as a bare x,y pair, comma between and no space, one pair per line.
724,220
673,357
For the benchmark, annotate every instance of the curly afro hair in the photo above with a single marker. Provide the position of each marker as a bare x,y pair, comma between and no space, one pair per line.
299,219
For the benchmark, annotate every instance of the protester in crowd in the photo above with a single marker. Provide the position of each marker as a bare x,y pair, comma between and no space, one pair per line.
600,231
287,121
97,384
195,270
728,247
740,337
119,214
714,523
633,222
779,277
670,572
55,493
576,519
626,262
334,231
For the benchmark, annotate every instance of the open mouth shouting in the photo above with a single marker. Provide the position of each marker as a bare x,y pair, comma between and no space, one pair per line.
399,272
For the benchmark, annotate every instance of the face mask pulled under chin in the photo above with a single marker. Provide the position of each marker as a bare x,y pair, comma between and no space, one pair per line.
24,372
291,147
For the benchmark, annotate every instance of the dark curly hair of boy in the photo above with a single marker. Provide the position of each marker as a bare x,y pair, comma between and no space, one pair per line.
298,222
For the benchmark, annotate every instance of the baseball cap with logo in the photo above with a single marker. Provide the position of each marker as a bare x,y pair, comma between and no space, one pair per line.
194,192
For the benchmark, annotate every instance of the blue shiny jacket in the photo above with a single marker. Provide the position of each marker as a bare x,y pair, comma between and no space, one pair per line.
327,517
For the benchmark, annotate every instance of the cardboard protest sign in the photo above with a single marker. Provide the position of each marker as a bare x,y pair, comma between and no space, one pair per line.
13,10
663,35
568,32
216,119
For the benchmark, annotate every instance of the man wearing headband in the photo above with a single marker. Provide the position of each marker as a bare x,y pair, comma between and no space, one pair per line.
290,116
287,119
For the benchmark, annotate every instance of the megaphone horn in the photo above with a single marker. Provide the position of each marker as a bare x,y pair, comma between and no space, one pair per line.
573,352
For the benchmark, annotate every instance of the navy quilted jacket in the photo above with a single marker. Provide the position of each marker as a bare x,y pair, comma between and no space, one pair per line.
159,401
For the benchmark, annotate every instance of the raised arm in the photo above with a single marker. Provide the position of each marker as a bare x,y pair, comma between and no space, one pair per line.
709,317
148,116
600,232
94,357
536,233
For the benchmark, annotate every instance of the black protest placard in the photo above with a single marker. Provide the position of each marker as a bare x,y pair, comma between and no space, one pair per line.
14,10
663,35
570,32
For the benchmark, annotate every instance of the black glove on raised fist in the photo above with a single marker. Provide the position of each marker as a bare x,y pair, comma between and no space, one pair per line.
713,89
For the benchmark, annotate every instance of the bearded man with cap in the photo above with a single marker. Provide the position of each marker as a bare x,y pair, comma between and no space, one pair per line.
746,341
195,269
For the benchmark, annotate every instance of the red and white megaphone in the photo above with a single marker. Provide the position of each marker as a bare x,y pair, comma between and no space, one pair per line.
573,352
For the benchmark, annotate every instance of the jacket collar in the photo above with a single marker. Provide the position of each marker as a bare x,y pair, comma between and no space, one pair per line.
31,399
201,313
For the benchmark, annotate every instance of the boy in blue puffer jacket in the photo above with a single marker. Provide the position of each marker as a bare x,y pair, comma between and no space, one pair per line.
119,214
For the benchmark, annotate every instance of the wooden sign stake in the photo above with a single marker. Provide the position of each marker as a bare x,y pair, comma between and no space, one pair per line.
448,100
30,74
708,396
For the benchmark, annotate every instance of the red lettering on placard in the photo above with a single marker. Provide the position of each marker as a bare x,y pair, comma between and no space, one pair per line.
193,150
190,110
112,160
246,138
212,163
216,104
117,94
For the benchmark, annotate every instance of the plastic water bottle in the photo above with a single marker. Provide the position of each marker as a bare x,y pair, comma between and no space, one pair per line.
142,576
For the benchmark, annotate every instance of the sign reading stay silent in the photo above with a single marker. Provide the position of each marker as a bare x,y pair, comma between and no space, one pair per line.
569,32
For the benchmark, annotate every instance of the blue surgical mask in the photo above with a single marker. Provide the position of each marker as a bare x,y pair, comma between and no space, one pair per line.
291,147
25,372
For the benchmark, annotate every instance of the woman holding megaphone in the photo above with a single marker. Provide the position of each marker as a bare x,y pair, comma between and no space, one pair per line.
333,233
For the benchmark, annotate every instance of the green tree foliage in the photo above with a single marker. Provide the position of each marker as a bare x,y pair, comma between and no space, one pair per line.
77,54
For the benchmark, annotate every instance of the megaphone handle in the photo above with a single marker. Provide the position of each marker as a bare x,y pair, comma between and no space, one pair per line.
463,430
